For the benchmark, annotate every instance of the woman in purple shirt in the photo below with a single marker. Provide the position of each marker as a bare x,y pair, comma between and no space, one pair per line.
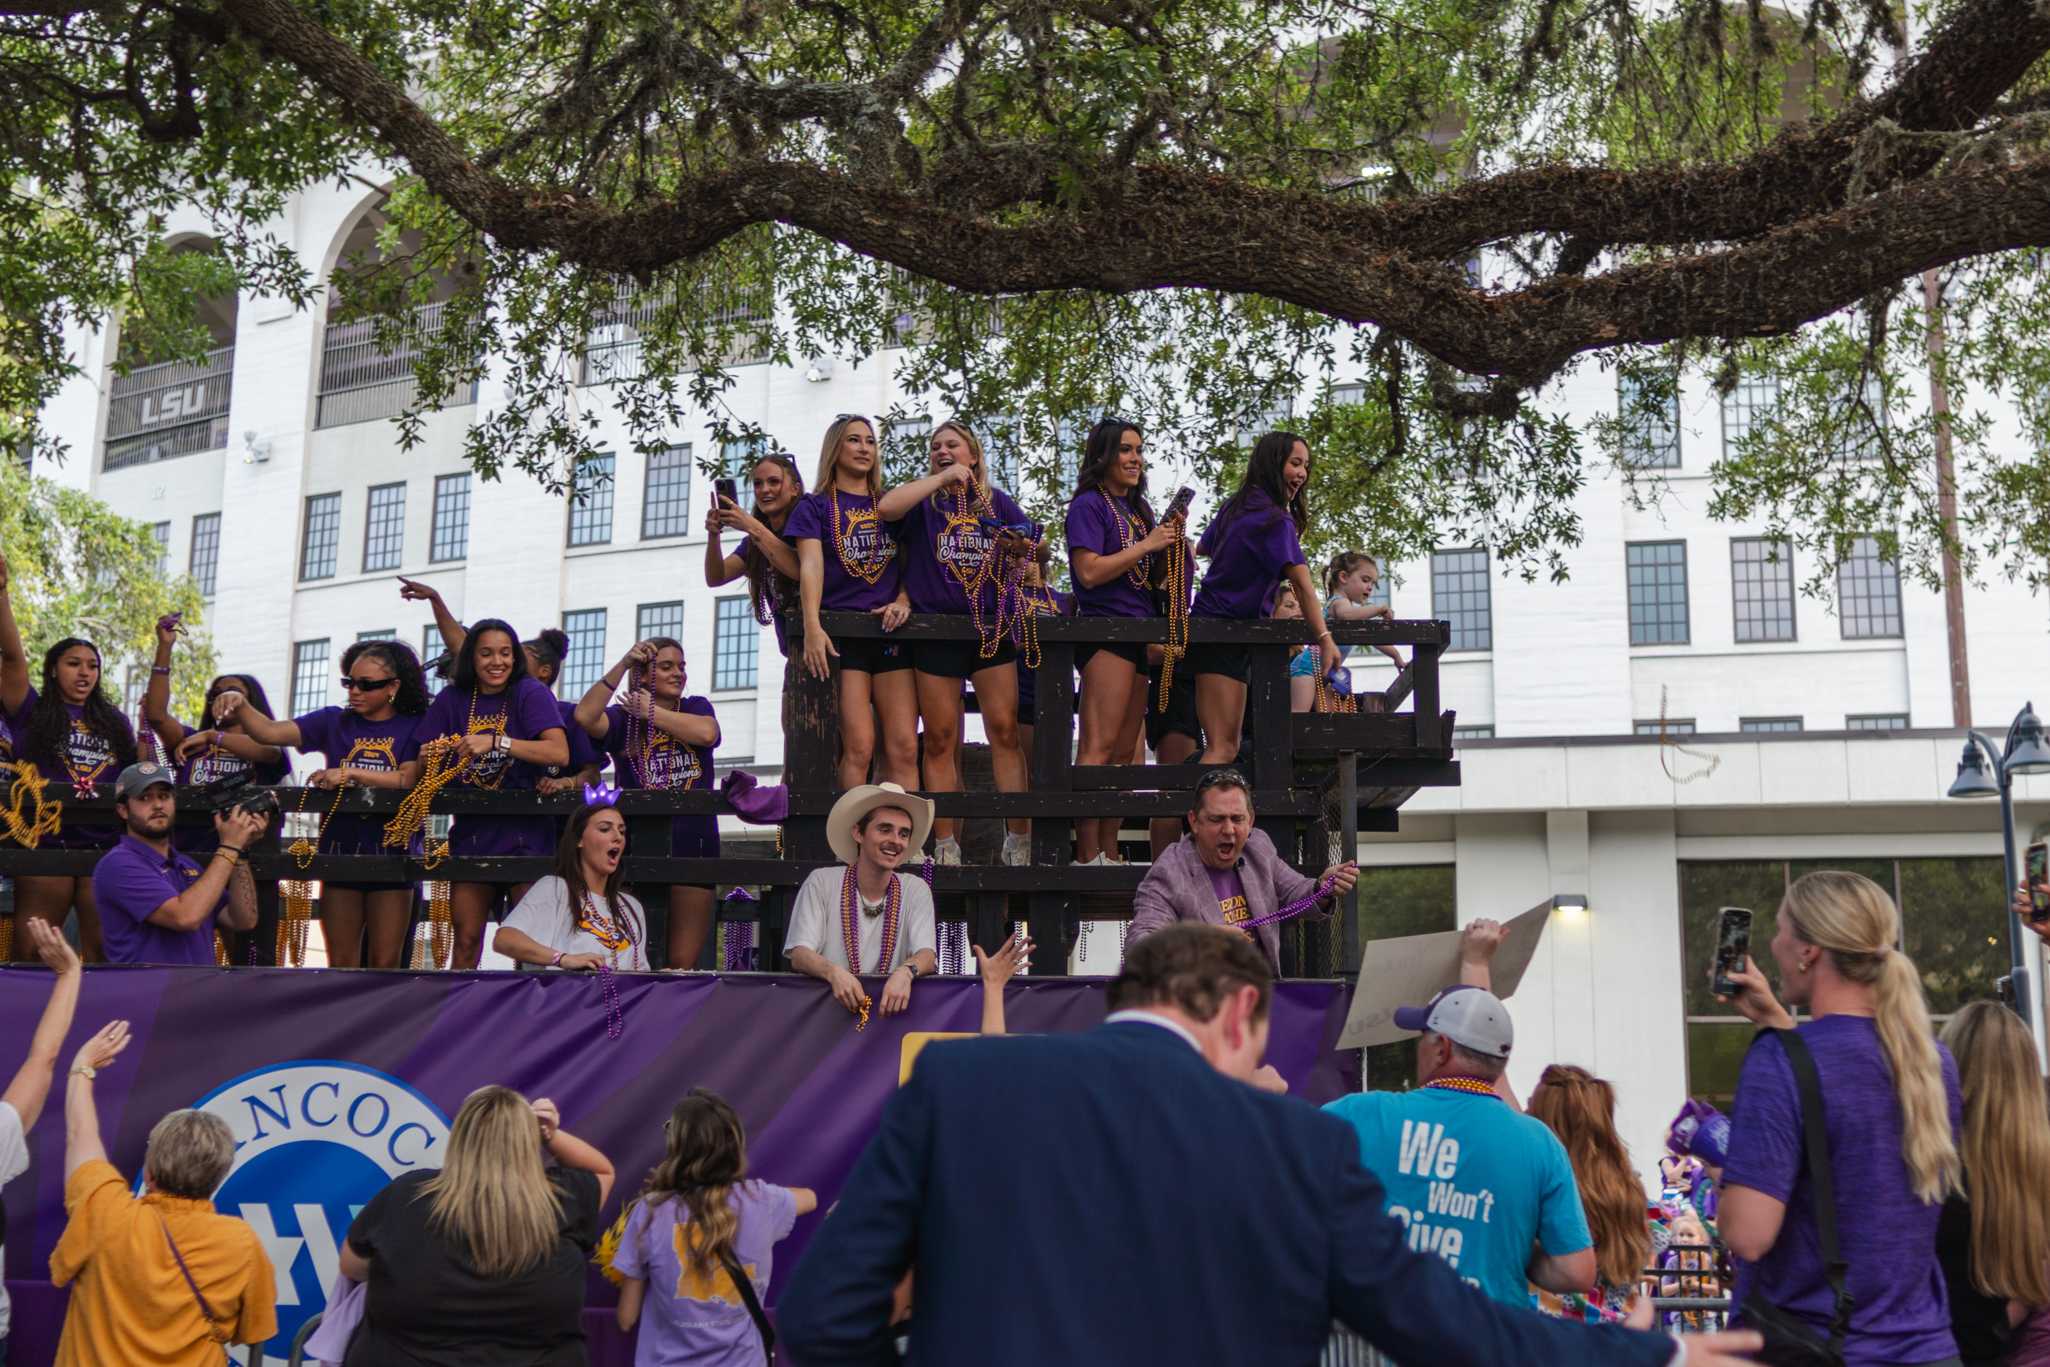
1892,1108
217,750
766,556
1253,543
847,561
509,723
660,739
955,564
1113,546
363,745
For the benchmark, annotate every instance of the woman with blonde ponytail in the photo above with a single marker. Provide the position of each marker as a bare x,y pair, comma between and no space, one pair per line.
697,1220
1994,1238
481,1264
1892,1109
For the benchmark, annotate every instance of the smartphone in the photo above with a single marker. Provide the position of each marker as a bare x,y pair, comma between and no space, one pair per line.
2038,879
1732,948
728,490
1179,505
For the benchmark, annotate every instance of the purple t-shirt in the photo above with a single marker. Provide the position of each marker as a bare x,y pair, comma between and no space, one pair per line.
583,751
1248,551
523,712
690,1318
1092,525
14,726
88,757
663,762
1902,1314
786,609
129,883
940,546
346,741
1230,891
868,540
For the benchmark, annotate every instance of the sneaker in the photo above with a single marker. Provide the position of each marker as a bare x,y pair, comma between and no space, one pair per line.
1097,862
1017,850
946,852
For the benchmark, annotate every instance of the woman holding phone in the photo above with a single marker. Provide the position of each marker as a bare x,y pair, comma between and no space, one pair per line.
963,539
766,557
847,561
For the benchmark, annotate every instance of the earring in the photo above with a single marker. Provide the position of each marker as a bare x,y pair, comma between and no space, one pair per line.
1804,965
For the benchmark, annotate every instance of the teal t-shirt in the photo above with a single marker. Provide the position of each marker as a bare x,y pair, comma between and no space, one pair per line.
1474,1182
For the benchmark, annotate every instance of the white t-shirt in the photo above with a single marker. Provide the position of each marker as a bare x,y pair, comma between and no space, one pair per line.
544,915
13,1163
815,921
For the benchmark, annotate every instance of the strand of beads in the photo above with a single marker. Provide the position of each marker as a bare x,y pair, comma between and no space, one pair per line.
442,761
850,927
868,569
30,786
1295,908
293,925
615,1016
1177,617
1140,574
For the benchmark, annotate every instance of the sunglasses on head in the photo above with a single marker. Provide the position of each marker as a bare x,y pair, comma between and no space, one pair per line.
1222,778
361,685
851,417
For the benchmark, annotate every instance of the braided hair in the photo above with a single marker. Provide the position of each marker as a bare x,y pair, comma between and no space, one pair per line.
49,723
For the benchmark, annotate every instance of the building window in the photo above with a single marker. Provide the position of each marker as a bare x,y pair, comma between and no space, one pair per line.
665,508
309,677
584,663
1650,422
1459,595
382,634
384,527
590,502
1657,574
1878,721
1760,726
1742,407
205,562
1379,597
1943,905
1410,899
451,536
658,619
737,462
1348,395
1671,726
432,647
161,533
1762,581
1460,733
736,642
1868,592
323,536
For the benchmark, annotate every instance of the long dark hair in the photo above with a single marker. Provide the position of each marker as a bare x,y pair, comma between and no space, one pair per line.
1100,453
49,725
245,684
569,867
1263,475
706,1159
411,699
759,570
465,673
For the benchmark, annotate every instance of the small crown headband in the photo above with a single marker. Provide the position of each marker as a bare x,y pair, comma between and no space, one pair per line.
601,794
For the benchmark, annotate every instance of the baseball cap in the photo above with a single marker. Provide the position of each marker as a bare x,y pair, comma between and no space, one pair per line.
138,777
1470,1017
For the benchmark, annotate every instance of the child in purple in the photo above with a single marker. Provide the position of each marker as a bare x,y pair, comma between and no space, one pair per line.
509,723
848,562
698,1216
1113,561
1253,543
363,746
955,564
660,739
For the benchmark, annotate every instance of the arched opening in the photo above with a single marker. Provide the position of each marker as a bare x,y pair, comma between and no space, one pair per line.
362,379
177,408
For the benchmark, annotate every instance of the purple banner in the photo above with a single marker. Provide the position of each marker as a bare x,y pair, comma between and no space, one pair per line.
335,1082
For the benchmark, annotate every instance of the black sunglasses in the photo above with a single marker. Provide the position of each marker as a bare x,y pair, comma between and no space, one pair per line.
1222,778
367,685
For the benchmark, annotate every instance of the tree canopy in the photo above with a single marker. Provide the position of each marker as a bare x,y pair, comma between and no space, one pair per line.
1180,210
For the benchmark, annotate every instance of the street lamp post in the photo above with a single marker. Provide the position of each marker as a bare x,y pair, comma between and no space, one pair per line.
2024,753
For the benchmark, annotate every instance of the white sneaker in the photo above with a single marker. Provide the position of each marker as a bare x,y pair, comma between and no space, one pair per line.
946,852
1097,862
1017,850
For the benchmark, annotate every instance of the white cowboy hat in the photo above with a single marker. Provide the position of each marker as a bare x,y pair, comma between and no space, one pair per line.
857,803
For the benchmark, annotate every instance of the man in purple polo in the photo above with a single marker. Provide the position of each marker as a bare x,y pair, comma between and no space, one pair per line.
158,906
1226,873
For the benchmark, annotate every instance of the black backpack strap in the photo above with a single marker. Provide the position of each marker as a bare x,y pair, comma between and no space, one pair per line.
745,1285
1821,1181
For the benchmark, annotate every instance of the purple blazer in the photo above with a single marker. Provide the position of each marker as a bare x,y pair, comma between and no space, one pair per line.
1177,888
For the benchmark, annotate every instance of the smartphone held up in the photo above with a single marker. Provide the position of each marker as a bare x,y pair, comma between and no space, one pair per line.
2037,876
1732,948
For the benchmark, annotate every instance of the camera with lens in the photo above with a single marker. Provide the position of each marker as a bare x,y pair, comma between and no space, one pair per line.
225,795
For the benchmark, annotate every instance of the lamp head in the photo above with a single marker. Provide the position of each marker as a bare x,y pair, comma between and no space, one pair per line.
1972,779
2027,753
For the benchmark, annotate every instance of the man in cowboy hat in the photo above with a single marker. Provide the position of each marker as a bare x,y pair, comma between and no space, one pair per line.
866,909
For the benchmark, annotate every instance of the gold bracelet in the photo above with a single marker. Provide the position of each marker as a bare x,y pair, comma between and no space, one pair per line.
233,857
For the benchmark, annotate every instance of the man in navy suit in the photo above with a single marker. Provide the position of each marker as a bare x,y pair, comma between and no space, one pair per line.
1127,1197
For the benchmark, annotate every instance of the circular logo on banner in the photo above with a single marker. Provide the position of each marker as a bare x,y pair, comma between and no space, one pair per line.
315,1139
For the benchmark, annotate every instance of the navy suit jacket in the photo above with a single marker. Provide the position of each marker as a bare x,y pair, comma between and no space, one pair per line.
1109,1198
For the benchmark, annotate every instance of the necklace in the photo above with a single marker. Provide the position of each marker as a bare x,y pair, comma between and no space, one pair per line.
640,743
1295,908
964,524
850,924
1177,594
1139,574
615,934
496,725
1472,1085
868,569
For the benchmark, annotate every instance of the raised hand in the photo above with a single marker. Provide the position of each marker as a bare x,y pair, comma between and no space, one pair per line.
1343,876
1012,956
51,946
413,591
1479,940
103,1048
548,1117
240,828
229,704
194,742
1754,999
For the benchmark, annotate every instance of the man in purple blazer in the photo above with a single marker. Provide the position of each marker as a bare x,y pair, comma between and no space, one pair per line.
1225,873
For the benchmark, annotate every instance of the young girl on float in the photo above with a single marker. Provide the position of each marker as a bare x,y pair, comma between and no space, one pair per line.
1302,666
1253,543
362,745
660,739
578,918
1350,580
1113,546
964,542
699,1227
218,750
766,557
507,723
848,562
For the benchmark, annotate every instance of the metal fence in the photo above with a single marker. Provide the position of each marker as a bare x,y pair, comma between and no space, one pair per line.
158,412
361,381
615,351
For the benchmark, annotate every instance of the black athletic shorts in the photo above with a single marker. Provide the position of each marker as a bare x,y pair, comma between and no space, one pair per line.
873,654
1205,657
1180,717
1135,651
959,659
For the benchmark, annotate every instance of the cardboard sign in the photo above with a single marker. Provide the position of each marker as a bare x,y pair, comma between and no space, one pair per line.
1411,969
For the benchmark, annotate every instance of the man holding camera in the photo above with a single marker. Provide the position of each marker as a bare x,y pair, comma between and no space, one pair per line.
158,906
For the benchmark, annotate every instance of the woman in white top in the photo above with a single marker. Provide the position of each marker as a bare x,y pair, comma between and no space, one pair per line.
577,917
